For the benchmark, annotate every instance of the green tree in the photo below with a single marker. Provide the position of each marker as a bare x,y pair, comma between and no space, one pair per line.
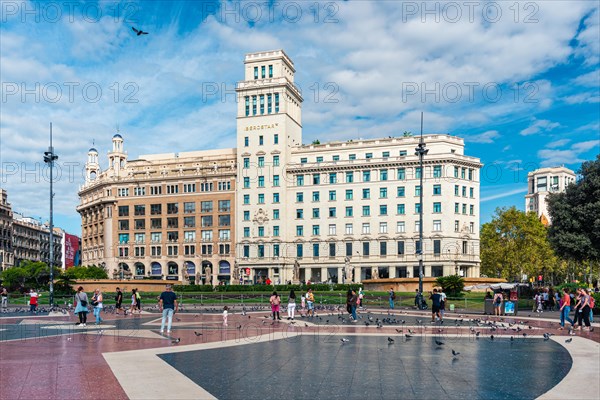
14,278
90,272
515,243
575,214
451,284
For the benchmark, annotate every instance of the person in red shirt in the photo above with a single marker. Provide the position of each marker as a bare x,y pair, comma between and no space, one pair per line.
268,281
565,309
33,300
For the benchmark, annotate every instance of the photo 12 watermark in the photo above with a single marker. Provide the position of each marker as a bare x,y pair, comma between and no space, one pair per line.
69,11
69,92
490,12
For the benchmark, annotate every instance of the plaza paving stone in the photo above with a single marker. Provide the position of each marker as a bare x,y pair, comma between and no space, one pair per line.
48,357
369,367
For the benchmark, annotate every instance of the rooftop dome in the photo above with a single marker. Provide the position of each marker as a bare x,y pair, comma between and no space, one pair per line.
92,150
117,136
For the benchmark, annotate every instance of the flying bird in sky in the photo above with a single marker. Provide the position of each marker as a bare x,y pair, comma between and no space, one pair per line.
139,31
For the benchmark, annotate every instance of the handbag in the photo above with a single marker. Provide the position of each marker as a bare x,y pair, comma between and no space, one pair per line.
82,302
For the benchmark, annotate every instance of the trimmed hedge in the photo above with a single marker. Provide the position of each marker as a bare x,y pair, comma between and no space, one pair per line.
263,288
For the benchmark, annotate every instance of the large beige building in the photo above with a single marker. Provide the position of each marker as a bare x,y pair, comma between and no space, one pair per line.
337,211
6,221
342,211
541,183
31,241
161,215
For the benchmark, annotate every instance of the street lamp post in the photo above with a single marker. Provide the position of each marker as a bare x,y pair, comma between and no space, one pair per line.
421,151
49,158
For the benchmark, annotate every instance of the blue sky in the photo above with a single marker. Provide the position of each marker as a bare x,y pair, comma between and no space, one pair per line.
519,81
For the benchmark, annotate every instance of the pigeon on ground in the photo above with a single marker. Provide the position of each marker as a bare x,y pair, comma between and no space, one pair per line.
569,340
455,353
197,333
477,334
439,343
399,330
408,336
344,340
492,337
390,340
546,337
512,339
176,341
139,31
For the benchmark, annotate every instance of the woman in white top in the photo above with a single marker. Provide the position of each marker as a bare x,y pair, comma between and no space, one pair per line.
97,303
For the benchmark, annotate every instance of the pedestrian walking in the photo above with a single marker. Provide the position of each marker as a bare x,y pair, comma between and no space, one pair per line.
119,302
442,302
577,300
565,309
435,306
33,300
291,307
361,299
97,304
310,301
138,300
584,311
303,304
81,306
353,305
167,304
392,297
275,301
4,295
225,315
133,302
592,304
498,298
348,302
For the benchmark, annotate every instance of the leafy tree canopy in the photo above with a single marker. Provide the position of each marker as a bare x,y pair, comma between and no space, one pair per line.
91,272
515,243
575,213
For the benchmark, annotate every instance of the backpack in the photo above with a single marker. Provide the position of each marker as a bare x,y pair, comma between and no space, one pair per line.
592,302
393,296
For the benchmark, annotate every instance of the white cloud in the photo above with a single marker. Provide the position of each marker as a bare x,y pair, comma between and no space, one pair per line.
503,194
573,155
369,53
591,79
539,125
485,137
588,43
557,143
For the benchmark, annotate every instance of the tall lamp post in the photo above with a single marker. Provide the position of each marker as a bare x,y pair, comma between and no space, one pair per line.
421,151
49,158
